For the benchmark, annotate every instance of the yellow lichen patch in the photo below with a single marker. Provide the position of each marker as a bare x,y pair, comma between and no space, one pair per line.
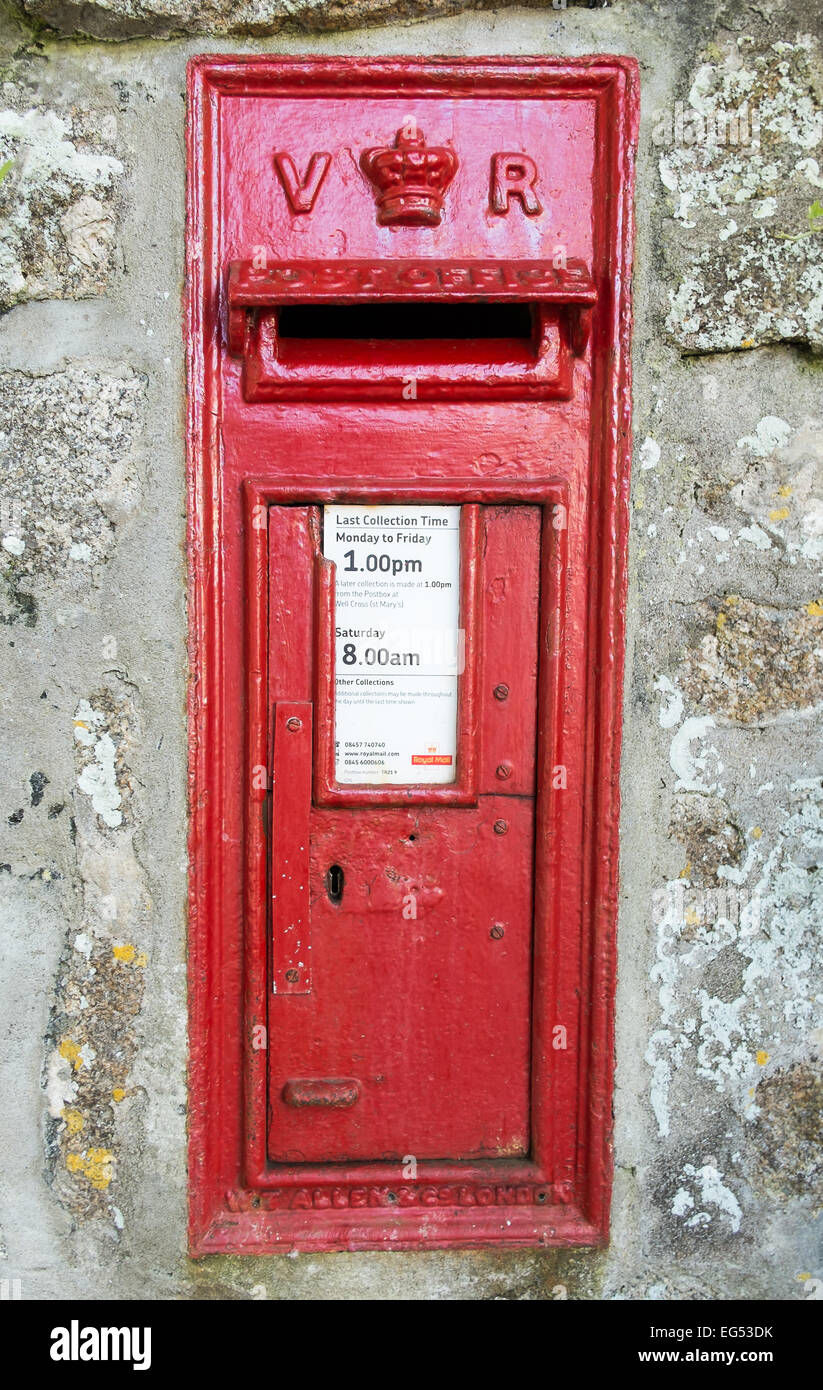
731,600
102,978
779,513
804,1277
747,343
71,1051
762,1058
814,609
100,1167
721,620
784,491
684,873
129,955
757,832
96,1165
692,917
73,1119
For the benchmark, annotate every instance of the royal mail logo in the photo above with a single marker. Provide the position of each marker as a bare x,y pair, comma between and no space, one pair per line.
431,759
410,178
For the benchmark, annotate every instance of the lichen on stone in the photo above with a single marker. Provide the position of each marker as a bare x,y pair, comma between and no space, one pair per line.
704,827
67,478
790,1131
58,202
741,163
99,997
782,487
101,731
741,992
92,1037
754,662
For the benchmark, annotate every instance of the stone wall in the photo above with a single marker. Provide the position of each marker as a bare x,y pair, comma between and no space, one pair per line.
719,1032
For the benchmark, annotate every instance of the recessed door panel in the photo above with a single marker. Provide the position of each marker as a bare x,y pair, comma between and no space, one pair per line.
405,1029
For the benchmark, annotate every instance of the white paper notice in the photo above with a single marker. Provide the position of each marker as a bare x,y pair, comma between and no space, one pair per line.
398,650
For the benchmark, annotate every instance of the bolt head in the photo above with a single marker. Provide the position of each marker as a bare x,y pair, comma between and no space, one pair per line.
503,771
501,692
497,931
293,724
292,976
501,827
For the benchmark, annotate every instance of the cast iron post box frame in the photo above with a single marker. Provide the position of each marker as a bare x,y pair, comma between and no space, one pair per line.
559,1194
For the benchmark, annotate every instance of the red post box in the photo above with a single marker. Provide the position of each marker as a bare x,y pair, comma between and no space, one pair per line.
408,323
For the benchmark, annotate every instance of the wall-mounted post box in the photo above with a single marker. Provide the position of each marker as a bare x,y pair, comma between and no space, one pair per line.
409,402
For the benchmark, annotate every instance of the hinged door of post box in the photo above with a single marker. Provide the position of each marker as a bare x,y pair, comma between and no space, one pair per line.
401,934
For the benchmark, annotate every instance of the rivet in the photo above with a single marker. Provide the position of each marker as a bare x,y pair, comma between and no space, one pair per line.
501,692
503,771
292,976
497,931
500,827
294,724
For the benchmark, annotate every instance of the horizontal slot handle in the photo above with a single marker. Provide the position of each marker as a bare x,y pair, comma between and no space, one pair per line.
259,284
322,1093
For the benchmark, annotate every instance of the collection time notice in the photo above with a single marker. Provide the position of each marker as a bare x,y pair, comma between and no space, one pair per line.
398,645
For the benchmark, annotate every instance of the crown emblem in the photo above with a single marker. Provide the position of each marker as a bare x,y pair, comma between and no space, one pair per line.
410,179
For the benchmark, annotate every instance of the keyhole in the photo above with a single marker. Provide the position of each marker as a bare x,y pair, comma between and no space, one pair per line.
334,883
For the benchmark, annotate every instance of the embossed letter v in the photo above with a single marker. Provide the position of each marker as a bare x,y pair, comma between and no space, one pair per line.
302,193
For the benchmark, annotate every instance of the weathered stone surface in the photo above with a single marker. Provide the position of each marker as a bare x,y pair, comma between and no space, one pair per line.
757,662
58,201
736,497
781,489
736,990
790,1154
701,1200
741,159
703,826
91,1038
66,478
125,19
